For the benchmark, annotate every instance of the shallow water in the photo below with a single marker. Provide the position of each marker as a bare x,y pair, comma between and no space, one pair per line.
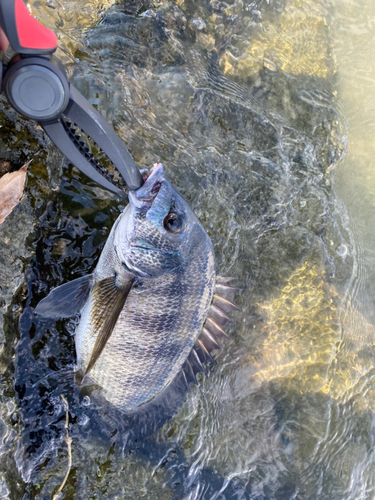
262,115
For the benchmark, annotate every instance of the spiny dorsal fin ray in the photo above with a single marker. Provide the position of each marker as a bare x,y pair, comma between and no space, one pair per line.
224,304
212,330
200,353
218,315
109,299
184,378
195,362
203,352
224,279
208,340
189,373
226,290
215,330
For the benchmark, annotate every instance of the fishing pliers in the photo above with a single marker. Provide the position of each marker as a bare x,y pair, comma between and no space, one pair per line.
36,85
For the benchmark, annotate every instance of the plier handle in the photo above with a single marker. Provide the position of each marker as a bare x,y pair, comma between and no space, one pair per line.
35,83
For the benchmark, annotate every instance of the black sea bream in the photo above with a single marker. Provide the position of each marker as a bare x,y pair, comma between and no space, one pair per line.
153,306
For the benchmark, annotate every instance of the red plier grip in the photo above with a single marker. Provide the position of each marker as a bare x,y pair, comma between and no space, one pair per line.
36,85
25,34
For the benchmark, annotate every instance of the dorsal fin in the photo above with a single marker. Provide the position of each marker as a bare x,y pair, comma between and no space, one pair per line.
225,290
203,353
189,373
211,332
219,316
224,304
216,331
209,340
224,279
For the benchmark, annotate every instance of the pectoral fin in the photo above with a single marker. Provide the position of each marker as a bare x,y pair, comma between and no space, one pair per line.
66,300
109,298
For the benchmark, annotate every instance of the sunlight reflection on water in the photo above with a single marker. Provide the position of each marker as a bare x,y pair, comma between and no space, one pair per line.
250,106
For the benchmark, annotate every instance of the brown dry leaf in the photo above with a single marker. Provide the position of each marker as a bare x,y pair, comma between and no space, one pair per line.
11,190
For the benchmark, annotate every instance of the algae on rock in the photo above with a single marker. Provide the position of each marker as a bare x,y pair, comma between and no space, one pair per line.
297,42
301,325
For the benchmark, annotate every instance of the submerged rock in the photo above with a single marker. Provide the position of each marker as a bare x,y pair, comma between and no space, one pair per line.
296,42
300,326
21,141
253,152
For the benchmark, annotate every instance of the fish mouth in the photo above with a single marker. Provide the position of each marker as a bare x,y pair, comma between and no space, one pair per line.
145,195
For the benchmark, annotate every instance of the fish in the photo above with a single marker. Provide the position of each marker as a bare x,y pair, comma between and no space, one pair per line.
154,307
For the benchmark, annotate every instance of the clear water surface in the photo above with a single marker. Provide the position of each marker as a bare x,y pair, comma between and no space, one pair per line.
263,114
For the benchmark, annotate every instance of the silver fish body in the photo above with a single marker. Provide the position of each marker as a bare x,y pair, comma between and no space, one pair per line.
153,309
163,313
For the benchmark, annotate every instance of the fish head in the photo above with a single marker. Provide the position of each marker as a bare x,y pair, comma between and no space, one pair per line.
158,231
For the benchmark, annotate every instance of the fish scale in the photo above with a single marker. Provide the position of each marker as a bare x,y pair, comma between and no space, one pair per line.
153,336
148,312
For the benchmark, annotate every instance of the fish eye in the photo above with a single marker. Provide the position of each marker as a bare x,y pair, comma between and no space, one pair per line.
173,223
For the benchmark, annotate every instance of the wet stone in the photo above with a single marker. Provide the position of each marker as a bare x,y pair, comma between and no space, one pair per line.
242,115
297,42
13,234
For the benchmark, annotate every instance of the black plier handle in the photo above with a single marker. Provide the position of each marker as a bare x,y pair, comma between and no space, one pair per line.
36,85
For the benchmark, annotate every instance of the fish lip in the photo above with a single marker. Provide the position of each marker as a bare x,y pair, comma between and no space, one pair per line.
146,194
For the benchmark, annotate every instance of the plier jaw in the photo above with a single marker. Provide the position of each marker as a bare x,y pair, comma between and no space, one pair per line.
36,85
